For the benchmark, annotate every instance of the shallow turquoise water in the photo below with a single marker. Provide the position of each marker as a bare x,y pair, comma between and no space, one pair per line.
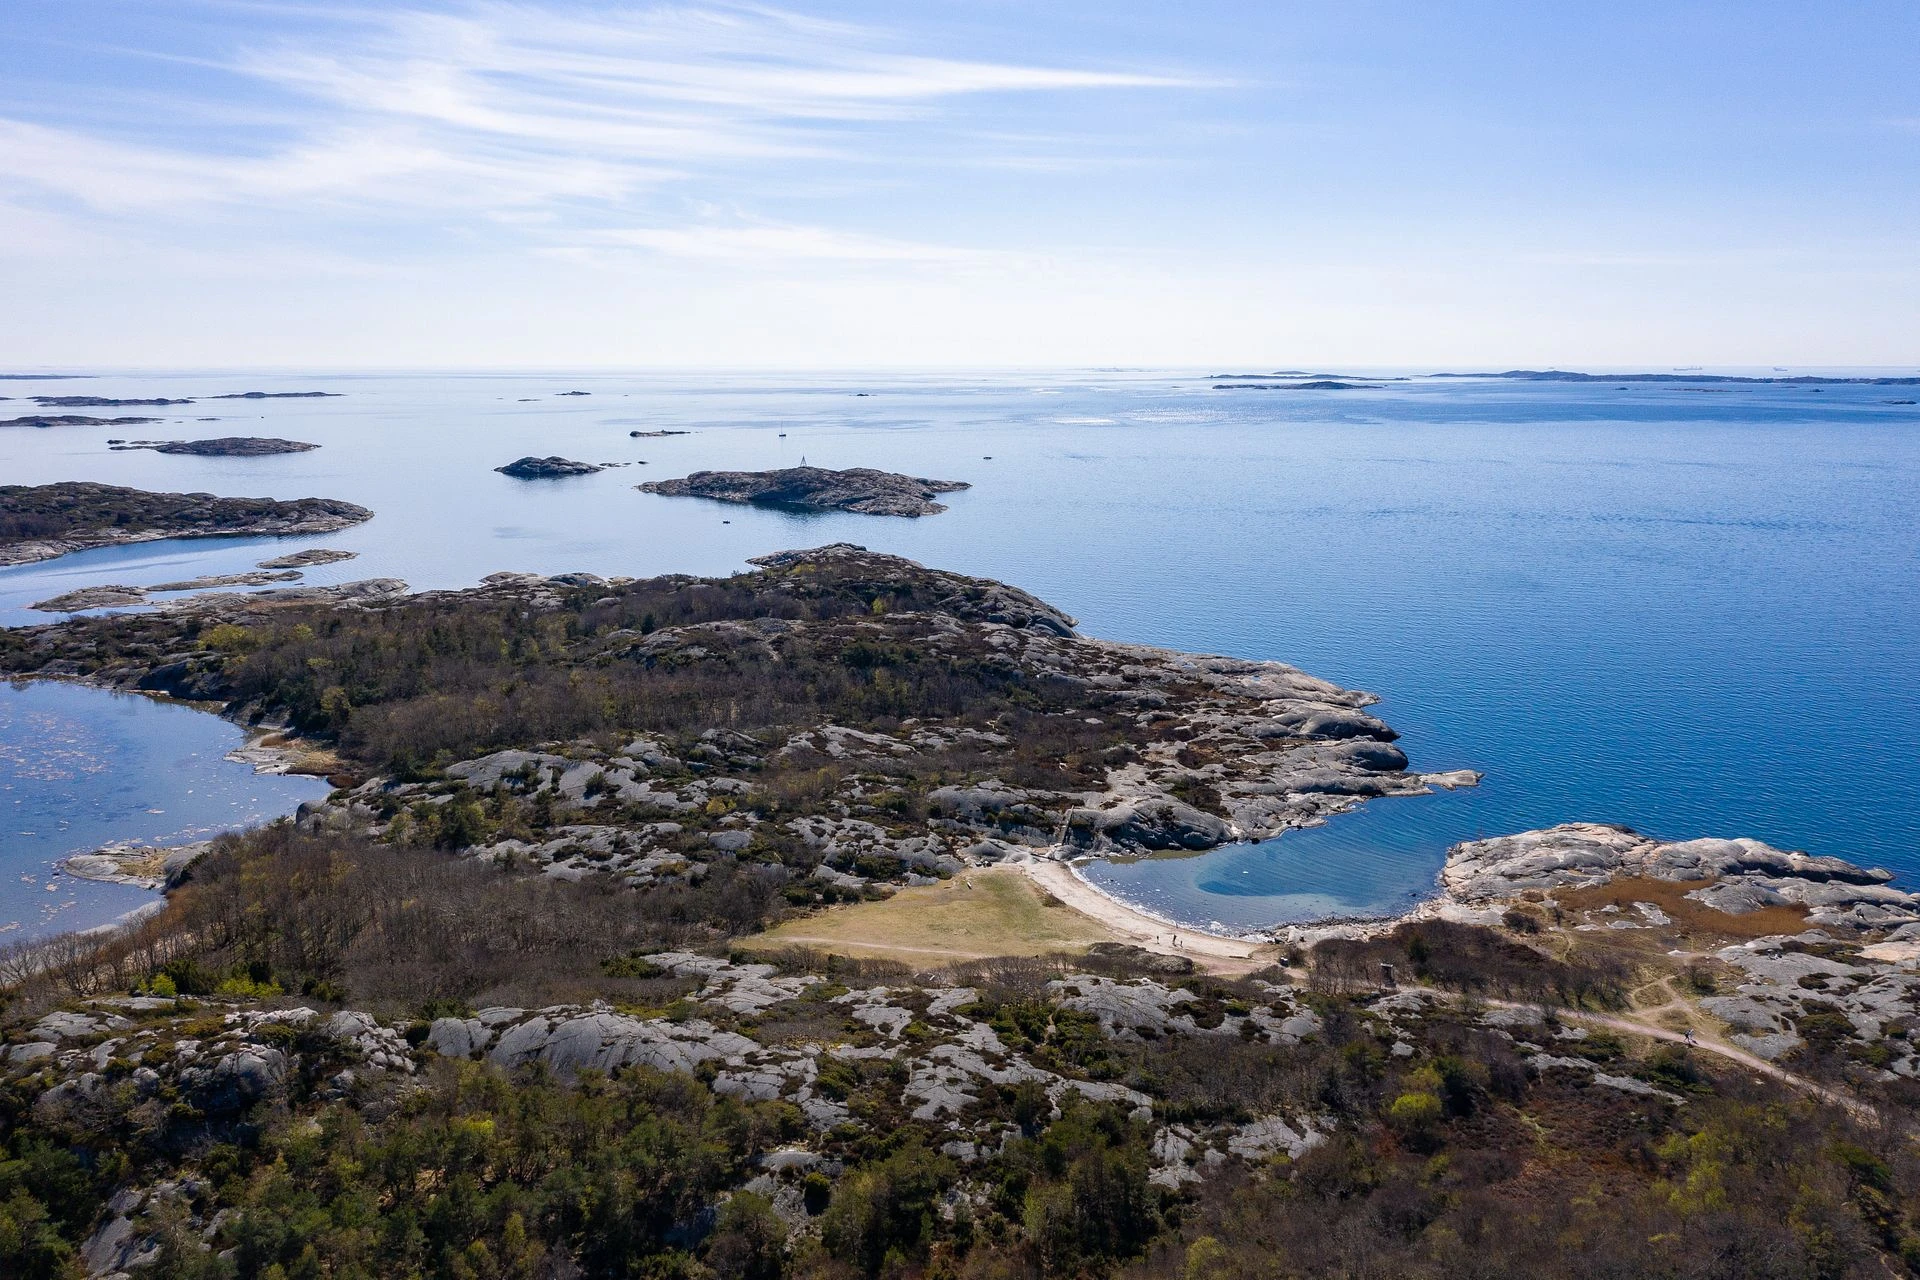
1695,612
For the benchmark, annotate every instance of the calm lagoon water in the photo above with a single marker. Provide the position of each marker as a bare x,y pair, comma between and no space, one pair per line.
82,767
1696,612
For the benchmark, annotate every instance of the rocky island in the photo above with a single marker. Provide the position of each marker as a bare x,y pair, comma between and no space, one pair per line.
861,489
43,521
551,468
307,558
220,446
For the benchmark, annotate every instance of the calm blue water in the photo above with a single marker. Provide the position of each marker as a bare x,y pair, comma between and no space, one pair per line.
1698,613
82,767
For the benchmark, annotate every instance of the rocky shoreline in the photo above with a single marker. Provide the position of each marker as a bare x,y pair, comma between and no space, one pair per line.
116,596
1736,877
140,866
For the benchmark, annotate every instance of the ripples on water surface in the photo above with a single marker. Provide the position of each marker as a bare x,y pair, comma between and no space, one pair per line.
1697,613
82,767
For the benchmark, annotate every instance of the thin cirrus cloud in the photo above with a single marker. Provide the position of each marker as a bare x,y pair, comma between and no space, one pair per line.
773,243
500,106
120,177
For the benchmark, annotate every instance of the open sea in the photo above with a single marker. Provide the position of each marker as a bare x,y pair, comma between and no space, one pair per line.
1694,610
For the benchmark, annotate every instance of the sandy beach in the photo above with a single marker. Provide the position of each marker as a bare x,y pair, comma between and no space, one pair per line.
1129,924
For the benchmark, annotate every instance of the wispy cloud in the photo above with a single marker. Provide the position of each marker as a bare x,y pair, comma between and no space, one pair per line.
497,107
766,242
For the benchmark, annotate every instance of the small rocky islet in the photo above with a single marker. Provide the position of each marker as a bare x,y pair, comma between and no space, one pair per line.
858,489
549,468
308,558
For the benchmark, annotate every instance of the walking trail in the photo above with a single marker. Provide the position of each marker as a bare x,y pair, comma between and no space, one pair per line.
1231,956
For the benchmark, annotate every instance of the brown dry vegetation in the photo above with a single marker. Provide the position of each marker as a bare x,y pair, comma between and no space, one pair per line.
1459,1159
1690,919
396,931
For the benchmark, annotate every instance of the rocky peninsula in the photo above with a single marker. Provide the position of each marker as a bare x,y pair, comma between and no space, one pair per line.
1732,876
1782,952
142,866
221,446
115,596
1005,730
42,521
861,489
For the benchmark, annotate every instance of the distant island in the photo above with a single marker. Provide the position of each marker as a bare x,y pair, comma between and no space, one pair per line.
39,522
1807,379
1316,384
1293,374
73,420
859,489
220,447
552,468
276,395
96,402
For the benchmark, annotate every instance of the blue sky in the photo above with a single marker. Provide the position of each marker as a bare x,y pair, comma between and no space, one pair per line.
244,182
